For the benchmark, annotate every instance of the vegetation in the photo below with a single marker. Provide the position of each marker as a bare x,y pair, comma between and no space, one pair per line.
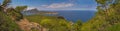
6,24
6,13
107,18
53,23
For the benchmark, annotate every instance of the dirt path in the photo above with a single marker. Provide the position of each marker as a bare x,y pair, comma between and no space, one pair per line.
25,25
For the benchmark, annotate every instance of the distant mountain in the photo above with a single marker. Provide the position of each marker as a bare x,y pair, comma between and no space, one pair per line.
36,11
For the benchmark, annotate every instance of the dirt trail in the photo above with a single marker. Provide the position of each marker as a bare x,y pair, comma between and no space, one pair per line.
25,25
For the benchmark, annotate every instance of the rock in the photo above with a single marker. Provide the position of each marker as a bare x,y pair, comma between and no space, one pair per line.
60,17
25,25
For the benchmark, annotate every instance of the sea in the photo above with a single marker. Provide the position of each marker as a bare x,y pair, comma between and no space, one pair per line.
75,15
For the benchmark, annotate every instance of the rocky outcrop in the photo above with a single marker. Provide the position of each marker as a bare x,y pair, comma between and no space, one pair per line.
60,17
25,25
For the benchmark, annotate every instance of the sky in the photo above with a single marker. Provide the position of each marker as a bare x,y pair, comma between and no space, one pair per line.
56,4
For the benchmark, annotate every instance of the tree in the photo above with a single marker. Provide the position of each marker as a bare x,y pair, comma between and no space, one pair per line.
77,25
107,16
6,23
111,9
18,10
5,5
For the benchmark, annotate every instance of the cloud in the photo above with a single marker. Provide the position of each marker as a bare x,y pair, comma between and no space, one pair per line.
66,6
58,5
29,8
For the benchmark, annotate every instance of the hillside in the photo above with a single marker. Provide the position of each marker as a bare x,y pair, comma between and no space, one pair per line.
7,24
107,18
36,11
52,23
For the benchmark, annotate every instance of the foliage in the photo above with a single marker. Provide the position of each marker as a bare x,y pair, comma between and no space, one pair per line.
6,13
106,18
77,26
6,24
115,27
53,23
6,3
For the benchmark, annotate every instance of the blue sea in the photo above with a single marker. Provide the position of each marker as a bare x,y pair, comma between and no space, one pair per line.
75,15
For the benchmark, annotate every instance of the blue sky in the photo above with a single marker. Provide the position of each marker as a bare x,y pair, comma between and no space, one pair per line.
56,4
